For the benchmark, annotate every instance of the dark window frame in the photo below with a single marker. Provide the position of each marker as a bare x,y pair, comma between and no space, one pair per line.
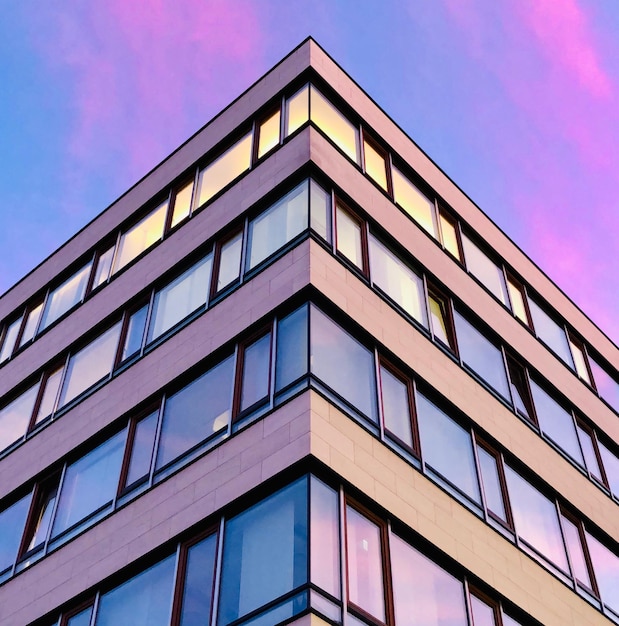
365,136
364,270
214,292
446,307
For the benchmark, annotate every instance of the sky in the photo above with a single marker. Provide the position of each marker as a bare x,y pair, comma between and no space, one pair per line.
517,101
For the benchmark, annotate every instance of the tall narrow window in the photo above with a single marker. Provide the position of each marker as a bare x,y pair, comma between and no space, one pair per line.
577,551
229,261
80,618
611,467
350,236
441,320
606,385
521,393
375,163
256,373
292,359
133,333
32,322
518,300
66,296
484,612
104,265
449,235
12,521
268,133
15,417
49,394
580,360
489,274
415,203
141,452
396,398
590,450
493,481
320,210
606,568
182,204
10,337
297,110
551,333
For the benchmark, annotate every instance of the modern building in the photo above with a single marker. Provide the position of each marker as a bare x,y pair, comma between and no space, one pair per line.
294,375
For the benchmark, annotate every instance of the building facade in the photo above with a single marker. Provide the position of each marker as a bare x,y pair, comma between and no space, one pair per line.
294,375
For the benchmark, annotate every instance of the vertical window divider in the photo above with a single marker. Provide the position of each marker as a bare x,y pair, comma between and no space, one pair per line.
332,212
149,315
272,364
505,491
52,519
169,213
343,554
253,151
389,600
467,596
282,120
34,496
218,566
112,270
506,368
426,304
379,393
153,461
564,543
244,244
91,279
480,477
566,332
235,401
123,469
173,611
38,329
95,609
63,376
361,147
389,166
596,448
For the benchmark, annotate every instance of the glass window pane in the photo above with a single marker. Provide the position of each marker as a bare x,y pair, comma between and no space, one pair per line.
104,265
320,211
447,448
292,342
343,364
230,261
424,594
196,412
398,281
142,450
199,580
9,340
575,550
44,507
278,225
31,324
50,394
606,568
256,372
143,235
516,297
365,565
66,296
268,134
580,362
440,321
90,365
12,522
491,483
265,553
483,357
223,170
396,407
348,235
450,236
182,204
588,445
181,297
551,333
325,538
486,271
81,619
520,389
297,110
607,386
416,204
556,423
15,417
375,165
535,519
146,598
334,125
90,483
483,614
135,333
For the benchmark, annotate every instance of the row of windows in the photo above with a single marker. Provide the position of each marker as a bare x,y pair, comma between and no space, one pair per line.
234,256
282,558
259,374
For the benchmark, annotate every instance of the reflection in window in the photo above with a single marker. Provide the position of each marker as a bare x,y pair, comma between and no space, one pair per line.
588,445
181,297
292,342
349,236
198,583
134,336
90,365
516,297
416,204
521,394
65,297
41,518
230,261
491,478
325,538
343,364
146,598
320,210
182,204
80,619
449,232
223,170
483,357
334,125
397,280
51,387
483,613
375,164
441,320
12,521
104,265
10,336
196,412
256,372
536,520
265,553
268,134
424,594
606,568
611,466
15,417
556,423
606,385
365,565
89,484
396,405
580,361
575,549
32,322
447,448
141,236
297,110
142,449
281,223
486,271
551,333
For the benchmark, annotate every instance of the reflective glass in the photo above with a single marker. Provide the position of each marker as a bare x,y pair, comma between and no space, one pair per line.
606,568
580,362
50,394
199,580
143,235
135,333
278,225
486,271
447,448
491,483
556,423
375,165
66,296
439,318
297,110
181,297
182,204
265,553
516,297
607,386
223,170
15,417
343,364
142,450
483,614
81,619
230,261
520,389
89,484
450,236
482,356
365,565
196,412
144,600
104,265
9,340
90,365
320,211
31,324
423,593
397,280
611,465
348,234
325,537
575,550
334,125
43,514
551,333
587,445
292,344
268,134
256,372
12,521
396,407
416,204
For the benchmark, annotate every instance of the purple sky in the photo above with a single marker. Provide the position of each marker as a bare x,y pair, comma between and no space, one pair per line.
517,101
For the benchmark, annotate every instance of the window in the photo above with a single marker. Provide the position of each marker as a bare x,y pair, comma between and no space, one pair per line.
450,235
31,325
103,268
10,337
133,333
493,484
397,402
481,356
376,163
140,447
398,281
320,211
576,549
611,467
441,320
580,360
484,613
228,261
415,203
424,594
15,417
50,387
489,274
79,618
278,225
268,133
521,393
90,365
606,568
181,297
350,236
181,208
255,359
66,296
196,412
551,333
343,364
297,110
292,360
12,521
591,453
518,300
224,169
